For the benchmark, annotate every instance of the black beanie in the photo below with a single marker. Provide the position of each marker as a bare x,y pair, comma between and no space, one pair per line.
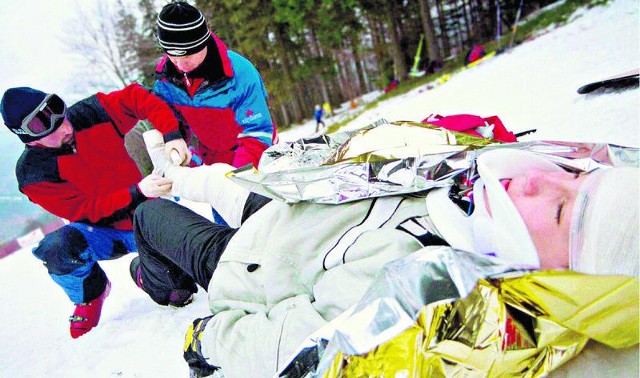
182,29
16,104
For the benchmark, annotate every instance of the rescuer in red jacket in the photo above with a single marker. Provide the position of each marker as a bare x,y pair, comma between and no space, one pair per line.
75,166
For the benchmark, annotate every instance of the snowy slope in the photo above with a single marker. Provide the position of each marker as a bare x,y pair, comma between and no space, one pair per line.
534,85
531,87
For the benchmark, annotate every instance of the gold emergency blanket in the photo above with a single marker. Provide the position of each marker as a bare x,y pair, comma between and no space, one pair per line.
442,312
526,325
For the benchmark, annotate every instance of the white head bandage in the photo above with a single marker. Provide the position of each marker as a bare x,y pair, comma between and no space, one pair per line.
605,225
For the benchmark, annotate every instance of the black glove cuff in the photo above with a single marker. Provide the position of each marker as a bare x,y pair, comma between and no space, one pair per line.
193,350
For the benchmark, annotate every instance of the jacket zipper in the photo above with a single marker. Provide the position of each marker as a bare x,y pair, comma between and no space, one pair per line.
186,78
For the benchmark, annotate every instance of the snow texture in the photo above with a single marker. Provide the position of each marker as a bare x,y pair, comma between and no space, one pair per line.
533,86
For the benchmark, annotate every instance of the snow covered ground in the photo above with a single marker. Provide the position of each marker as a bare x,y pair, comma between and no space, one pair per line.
534,85
531,87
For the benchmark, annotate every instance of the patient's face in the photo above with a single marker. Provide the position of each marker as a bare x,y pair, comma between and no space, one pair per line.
545,201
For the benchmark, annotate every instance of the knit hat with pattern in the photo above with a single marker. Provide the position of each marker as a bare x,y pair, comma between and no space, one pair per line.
182,29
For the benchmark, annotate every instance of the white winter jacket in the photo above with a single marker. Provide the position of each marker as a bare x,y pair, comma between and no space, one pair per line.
292,268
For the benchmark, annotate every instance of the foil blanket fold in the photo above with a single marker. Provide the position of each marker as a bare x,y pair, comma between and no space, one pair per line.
391,158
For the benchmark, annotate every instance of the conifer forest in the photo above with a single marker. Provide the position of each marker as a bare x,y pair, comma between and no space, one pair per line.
311,52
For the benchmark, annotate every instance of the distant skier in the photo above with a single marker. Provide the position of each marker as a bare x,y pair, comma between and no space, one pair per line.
318,115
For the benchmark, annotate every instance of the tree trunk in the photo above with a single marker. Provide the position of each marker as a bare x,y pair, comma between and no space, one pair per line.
347,75
468,25
366,70
356,59
396,42
433,51
285,114
377,42
444,32
317,77
287,69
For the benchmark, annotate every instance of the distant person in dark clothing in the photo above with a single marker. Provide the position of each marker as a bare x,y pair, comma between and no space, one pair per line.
434,66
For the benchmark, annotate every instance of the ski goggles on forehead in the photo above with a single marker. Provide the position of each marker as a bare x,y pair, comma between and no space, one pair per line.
46,117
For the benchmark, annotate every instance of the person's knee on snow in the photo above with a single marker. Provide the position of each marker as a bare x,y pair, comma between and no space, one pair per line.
164,295
71,262
61,250
156,275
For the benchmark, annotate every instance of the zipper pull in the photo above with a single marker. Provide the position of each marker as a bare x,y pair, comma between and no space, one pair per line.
186,79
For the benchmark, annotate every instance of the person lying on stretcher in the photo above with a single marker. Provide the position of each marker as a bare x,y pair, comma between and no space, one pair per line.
287,270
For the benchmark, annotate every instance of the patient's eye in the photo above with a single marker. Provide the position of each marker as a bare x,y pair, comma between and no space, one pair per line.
561,206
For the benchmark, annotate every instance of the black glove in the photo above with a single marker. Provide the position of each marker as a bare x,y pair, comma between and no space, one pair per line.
193,352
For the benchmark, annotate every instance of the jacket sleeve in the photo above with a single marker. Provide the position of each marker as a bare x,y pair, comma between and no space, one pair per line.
133,103
252,113
249,152
66,201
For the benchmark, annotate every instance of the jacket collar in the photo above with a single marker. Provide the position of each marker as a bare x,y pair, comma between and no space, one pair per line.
216,66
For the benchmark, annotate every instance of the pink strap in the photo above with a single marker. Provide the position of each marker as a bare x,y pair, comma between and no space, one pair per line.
468,123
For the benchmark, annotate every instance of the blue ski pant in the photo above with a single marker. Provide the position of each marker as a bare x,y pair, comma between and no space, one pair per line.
71,256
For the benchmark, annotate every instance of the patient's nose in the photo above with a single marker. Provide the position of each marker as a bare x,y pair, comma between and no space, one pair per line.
539,180
535,180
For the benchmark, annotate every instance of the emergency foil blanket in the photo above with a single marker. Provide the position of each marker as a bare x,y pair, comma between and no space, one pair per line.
391,158
444,313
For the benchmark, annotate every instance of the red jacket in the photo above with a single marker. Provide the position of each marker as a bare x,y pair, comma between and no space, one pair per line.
96,183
